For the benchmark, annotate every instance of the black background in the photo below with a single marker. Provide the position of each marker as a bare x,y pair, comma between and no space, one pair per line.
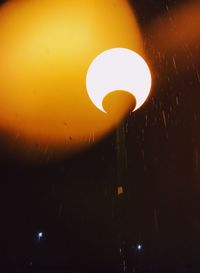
72,200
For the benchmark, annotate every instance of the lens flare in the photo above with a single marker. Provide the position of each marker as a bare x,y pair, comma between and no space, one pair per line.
177,33
46,48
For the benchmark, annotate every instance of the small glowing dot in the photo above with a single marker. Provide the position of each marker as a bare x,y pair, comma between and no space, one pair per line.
40,235
139,247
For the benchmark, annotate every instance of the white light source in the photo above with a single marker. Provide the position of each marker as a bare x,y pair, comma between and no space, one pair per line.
139,247
40,235
118,69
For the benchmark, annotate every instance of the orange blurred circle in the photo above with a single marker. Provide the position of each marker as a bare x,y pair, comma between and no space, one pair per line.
46,48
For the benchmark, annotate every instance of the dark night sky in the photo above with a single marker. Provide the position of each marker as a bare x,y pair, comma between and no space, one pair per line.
72,200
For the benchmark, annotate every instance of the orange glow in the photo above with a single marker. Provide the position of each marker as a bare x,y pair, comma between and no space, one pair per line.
177,31
46,48
120,190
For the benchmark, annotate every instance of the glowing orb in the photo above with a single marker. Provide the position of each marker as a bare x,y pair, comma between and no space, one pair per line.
40,236
118,69
139,247
46,48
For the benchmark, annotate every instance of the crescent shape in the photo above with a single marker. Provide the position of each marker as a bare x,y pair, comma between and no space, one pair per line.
118,69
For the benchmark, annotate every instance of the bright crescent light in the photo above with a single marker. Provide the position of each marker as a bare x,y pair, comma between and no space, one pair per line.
118,69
